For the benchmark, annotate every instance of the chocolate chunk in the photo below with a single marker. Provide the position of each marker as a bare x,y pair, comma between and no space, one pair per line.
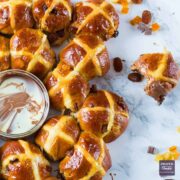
44,7
67,112
116,34
137,1
73,29
76,107
54,11
93,88
146,17
52,37
118,65
104,128
70,152
152,150
135,77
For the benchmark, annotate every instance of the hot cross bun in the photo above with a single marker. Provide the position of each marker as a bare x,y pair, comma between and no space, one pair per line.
84,58
161,71
14,15
58,136
53,17
4,53
23,161
104,114
97,17
30,51
90,159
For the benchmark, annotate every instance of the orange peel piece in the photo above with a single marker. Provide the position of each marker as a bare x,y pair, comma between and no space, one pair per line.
135,21
155,27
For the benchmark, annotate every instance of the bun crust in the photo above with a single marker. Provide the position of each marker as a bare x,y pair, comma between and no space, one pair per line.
90,159
30,51
104,114
22,160
15,15
97,17
58,136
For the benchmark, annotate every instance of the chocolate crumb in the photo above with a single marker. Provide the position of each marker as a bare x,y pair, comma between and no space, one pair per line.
93,89
116,34
142,27
152,150
118,65
148,31
135,77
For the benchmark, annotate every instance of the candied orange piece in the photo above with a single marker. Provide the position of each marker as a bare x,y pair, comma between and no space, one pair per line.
155,27
125,9
135,20
173,148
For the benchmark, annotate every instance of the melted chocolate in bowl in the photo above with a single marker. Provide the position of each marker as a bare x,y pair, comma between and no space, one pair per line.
24,104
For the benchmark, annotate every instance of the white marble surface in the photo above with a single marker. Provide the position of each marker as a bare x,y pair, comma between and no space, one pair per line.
150,124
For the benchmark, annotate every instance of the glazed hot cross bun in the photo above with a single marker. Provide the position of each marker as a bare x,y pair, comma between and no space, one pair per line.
14,15
4,53
97,17
58,136
53,17
104,114
161,71
90,159
84,58
23,161
30,51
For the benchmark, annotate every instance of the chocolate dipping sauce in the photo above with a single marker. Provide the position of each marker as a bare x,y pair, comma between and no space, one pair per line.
23,103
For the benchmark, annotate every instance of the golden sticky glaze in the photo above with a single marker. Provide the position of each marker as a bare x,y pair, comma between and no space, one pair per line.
22,160
58,136
90,159
84,58
97,17
161,72
104,114
15,15
4,53
53,17
30,51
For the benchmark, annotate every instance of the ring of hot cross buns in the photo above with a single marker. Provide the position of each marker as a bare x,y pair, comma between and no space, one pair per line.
90,159
14,15
84,58
97,17
4,53
104,114
58,136
53,17
22,160
30,51
161,71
